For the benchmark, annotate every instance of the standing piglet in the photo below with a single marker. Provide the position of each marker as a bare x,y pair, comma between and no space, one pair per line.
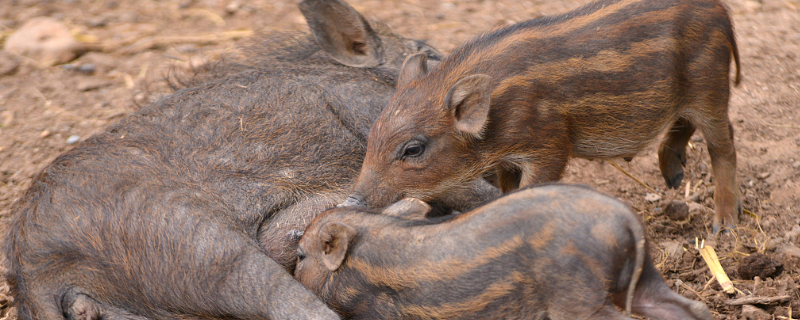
602,81
551,252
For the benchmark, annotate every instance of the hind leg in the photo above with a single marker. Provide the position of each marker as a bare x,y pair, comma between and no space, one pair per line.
727,199
79,306
672,152
652,298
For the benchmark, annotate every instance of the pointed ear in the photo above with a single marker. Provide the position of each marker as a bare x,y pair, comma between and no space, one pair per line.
411,208
334,240
469,101
414,66
342,32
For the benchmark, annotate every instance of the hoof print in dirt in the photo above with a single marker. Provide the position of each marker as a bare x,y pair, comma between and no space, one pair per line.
758,265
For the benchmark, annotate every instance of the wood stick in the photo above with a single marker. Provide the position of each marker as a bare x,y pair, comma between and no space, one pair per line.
613,164
757,300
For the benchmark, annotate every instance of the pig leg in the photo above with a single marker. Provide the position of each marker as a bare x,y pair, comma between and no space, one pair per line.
508,179
672,152
549,167
719,134
652,298
79,306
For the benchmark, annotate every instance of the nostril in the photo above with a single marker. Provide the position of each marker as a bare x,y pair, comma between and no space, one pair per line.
354,200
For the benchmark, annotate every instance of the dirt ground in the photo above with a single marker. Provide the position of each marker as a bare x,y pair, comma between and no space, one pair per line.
135,43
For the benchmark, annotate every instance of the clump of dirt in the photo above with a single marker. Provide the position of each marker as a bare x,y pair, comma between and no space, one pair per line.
758,265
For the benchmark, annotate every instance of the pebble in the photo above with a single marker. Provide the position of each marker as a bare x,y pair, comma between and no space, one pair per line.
754,313
232,7
796,164
45,40
45,134
83,68
652,197
73,139
91,84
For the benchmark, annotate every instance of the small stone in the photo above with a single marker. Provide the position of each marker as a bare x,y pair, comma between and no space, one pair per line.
752,5
73,139
97,22
652,197
796,164
764,175
677,210
45,40
91,84
44,134
232,7
87,68
753,313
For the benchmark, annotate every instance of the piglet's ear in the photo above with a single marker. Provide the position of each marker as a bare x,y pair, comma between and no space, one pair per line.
342,32
414,66
410,208
469,101
334,240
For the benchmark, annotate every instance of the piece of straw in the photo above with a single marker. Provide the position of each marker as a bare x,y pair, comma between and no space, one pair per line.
710,257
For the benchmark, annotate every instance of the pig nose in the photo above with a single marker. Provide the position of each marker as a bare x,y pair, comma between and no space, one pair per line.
354,200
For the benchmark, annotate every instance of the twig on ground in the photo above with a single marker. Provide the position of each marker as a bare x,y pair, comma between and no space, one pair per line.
615,165
757,300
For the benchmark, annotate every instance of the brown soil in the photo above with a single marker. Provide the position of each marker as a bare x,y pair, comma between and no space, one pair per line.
40,107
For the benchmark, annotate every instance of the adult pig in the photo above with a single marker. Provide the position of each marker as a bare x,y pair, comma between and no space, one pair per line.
602,81
550,252
191,208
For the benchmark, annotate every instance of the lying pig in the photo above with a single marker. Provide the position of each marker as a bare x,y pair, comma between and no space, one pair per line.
191,207
602,81
550,252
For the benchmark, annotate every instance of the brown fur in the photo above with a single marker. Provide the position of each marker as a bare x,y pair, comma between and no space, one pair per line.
602,81
192,207
550,252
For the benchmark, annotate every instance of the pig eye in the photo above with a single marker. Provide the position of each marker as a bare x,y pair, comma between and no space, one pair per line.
413,150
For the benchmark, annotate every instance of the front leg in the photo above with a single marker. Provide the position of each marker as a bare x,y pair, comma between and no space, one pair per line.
508,178
543,169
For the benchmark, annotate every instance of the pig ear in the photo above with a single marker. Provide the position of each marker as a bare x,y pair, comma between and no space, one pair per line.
342,32
469,101
334,239
414,66
411,208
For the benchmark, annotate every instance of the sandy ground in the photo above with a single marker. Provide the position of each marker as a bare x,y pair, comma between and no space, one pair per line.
135,43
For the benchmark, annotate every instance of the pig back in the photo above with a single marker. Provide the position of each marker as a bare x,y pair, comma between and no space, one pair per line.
508,257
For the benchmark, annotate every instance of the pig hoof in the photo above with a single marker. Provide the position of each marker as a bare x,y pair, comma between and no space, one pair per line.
675,181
